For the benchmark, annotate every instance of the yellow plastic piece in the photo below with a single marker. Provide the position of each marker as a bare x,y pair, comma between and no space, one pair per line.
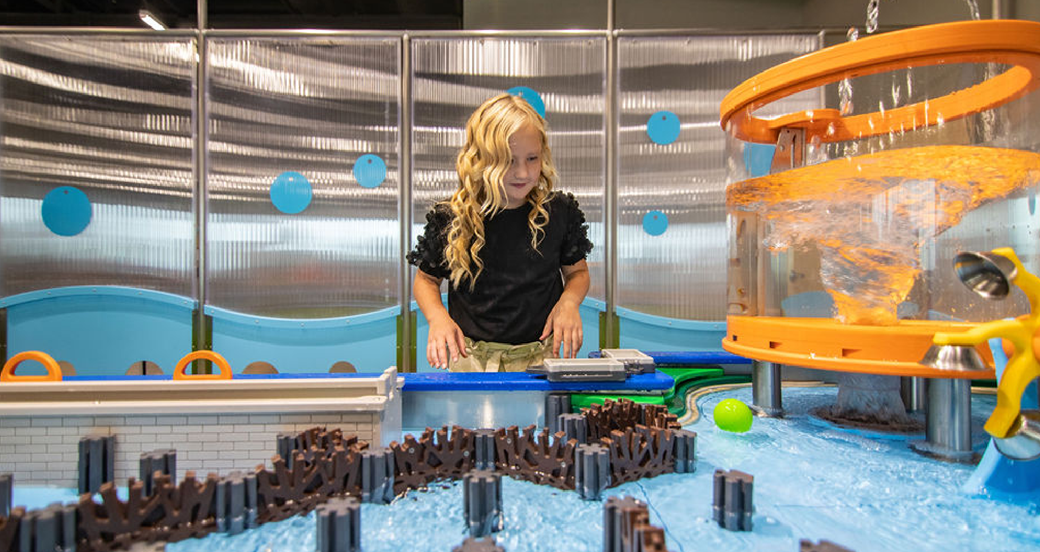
1022,367
48,362
180,373
1012,42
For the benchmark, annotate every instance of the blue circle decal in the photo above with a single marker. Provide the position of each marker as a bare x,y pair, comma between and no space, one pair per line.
291,192
758,158
663,127
531,96
66,211
370,170
655,223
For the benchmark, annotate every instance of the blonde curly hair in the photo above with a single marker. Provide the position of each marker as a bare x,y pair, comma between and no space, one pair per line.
481,165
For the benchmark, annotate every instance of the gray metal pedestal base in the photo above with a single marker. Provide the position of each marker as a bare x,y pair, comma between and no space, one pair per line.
948,419
766,389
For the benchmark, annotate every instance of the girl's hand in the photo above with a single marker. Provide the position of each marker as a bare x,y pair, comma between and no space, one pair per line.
564,324
444,343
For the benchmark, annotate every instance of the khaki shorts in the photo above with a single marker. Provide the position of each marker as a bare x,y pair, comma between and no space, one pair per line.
485,356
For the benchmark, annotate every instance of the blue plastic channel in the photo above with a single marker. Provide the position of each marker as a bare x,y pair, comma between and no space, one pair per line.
522,381
273,377
99,291
689,358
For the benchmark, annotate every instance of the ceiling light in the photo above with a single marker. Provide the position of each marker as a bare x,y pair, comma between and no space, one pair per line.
151,20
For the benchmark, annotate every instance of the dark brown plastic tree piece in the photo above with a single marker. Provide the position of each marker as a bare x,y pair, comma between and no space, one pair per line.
171,513
623,414
530,457
420,462
806,545
639,452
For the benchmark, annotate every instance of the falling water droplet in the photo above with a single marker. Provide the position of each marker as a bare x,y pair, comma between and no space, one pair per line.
973,7
845,96
872,15
846,107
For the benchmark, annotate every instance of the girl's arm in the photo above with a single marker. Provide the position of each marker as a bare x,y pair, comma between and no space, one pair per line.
445,340
564,322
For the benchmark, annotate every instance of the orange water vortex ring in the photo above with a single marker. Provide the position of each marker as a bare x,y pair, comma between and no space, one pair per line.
1011,42
826,344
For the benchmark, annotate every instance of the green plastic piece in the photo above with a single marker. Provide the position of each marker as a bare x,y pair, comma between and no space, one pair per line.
686,379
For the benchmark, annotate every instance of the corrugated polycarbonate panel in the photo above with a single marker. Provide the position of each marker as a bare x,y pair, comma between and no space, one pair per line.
672,239
96,162
303,175
452,77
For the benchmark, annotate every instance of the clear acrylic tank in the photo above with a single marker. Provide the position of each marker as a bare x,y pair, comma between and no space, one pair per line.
845,217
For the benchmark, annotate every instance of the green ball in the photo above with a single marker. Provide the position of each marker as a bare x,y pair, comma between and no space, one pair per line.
733,415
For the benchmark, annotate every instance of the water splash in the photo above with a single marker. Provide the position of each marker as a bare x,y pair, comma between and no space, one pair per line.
973,8
873,7
845,106
869,215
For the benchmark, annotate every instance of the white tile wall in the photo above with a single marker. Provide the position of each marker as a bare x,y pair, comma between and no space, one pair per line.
44,450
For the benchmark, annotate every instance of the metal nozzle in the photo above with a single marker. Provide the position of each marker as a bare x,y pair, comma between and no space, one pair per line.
987,274
955,358
1023,443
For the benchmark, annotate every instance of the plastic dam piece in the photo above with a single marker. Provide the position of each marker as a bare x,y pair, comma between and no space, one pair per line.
285,443
685,452
591,470
161,461
621,516
581,369
482,502
339,525
573,426
52,529
635,361
555,405
484,449
733,503
6,493
997,475
377,476
236,503
97,462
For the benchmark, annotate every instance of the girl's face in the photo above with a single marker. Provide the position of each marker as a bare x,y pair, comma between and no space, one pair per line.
525,168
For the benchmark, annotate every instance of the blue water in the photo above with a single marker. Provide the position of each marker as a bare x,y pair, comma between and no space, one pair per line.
866,491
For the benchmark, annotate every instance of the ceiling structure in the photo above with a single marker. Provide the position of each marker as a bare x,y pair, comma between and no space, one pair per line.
238,14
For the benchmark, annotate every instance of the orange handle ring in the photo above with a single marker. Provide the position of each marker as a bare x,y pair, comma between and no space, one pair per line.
179,372
48,362
1010,42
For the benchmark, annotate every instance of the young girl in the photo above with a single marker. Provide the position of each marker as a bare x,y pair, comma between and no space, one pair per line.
512,249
